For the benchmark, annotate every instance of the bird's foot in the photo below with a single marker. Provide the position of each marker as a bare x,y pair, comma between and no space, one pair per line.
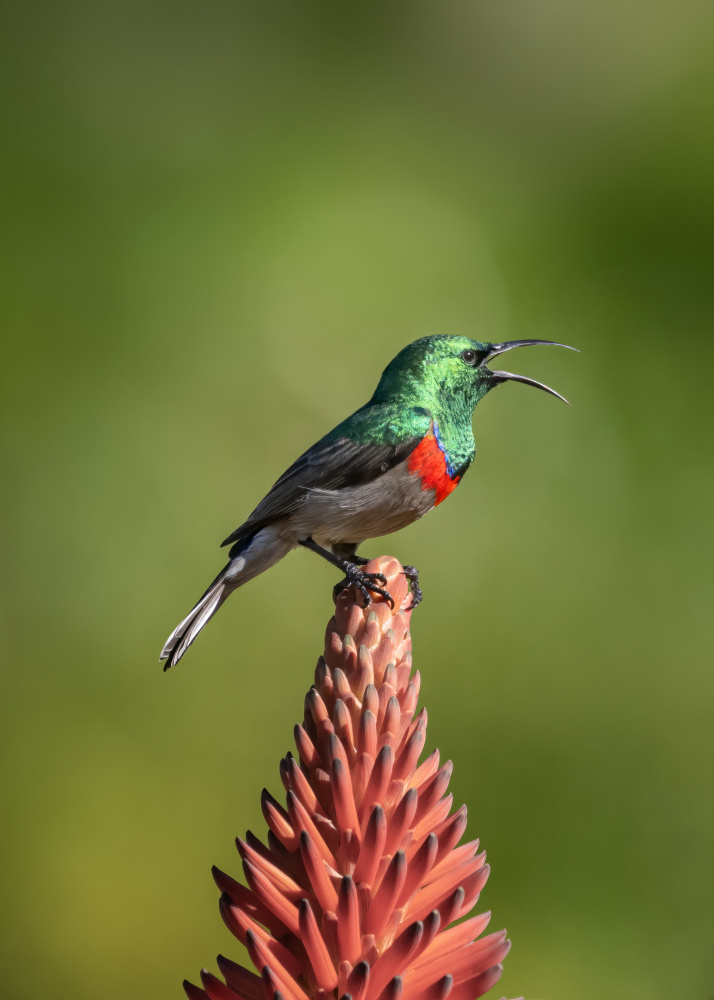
364,582
412,575
360,561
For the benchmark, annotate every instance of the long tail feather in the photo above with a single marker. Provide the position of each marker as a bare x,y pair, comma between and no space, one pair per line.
187,630
249,557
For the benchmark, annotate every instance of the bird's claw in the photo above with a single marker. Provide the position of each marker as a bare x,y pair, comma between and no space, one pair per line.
364,582
412,575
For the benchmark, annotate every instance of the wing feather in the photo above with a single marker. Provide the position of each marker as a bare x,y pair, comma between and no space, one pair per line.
344,457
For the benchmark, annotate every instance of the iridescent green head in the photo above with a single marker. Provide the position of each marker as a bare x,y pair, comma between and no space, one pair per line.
443,367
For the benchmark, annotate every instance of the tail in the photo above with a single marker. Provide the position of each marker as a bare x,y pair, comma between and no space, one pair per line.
250,556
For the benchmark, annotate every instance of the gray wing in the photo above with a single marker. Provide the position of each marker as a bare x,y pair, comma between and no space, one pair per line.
335,462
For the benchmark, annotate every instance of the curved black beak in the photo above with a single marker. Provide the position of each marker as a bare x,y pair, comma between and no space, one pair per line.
499,377
508,345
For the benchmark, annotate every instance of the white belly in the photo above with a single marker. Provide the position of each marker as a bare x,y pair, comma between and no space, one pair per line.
350,515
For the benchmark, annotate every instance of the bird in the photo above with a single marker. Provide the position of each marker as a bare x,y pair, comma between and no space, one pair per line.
389,463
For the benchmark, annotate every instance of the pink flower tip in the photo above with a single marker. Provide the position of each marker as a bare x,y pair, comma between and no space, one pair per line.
359,889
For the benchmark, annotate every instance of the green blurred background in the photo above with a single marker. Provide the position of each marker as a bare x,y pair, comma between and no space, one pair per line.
219,222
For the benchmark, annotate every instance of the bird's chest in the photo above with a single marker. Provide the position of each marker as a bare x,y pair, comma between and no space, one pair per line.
429,464
386,504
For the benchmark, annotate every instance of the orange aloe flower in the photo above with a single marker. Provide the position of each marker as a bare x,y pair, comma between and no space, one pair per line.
360,886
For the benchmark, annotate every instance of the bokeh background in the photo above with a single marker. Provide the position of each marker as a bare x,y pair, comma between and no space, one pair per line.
220,221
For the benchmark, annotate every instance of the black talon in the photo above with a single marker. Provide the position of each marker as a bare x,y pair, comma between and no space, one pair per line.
354,576
412,575
361,561
364,582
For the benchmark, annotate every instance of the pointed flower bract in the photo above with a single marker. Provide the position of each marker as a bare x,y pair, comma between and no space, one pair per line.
358,889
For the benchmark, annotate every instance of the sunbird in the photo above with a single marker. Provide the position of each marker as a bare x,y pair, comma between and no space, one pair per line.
382,468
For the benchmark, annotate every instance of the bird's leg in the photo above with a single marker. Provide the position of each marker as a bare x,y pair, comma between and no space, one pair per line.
352,557
412,575
354,576
348,551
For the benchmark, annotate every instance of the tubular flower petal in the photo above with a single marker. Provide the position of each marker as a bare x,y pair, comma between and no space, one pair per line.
362,877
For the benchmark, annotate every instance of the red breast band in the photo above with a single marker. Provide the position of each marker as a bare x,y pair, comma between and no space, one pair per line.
429,463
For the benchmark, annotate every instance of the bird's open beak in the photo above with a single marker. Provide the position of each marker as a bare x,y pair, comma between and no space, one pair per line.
508,345
499,377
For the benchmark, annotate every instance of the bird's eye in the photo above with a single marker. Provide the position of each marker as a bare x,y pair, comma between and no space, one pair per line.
469,357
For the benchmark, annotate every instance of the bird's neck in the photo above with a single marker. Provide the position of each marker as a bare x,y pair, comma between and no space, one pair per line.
452,417
451,411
